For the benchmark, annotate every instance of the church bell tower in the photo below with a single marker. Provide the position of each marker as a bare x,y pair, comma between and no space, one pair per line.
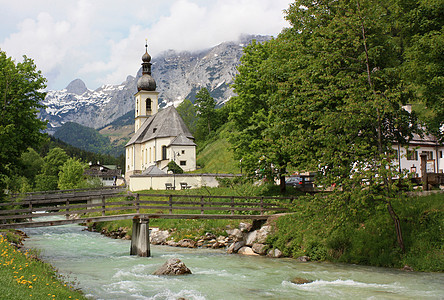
147,96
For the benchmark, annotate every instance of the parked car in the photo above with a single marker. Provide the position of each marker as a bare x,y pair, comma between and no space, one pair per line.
294,181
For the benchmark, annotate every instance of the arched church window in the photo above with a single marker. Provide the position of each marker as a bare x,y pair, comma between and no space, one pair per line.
164,152
148,105
137,107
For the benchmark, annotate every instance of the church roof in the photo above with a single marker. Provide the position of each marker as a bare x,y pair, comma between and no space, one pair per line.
165,123
182,140
153,170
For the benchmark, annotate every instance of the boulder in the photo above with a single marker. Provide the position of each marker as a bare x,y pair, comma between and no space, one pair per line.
172,243
245,227
275,253
235,234
187,243
260,249
300,280
158,237
303,258
246,251
263,233
173,266
235,247
251,238
407,268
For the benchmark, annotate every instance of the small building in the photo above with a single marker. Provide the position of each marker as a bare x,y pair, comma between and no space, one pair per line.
160,136
409,157
109,175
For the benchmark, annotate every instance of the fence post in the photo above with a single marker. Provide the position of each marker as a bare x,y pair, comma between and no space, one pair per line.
67,208
137,204
170,203
262,206
103,205
232,205
201,205
30,209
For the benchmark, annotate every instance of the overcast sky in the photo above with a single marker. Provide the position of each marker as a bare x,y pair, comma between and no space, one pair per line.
102,41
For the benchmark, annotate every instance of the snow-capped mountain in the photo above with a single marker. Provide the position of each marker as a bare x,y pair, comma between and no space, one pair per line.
179,76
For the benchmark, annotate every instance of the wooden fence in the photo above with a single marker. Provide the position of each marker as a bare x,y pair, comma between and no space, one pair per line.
82,207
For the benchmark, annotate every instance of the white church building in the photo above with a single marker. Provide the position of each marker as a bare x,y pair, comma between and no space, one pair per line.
160,136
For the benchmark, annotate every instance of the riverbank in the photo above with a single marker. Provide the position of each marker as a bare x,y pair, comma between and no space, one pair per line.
307,233
24,276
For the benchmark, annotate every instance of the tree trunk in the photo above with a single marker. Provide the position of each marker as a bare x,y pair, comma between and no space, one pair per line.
395,219
282,185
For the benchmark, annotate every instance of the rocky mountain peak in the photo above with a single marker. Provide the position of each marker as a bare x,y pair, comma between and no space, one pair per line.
77,86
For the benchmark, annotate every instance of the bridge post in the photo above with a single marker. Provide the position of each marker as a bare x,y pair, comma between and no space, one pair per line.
140,240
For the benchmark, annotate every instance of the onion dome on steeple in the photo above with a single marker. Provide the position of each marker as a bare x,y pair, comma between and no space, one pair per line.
146,82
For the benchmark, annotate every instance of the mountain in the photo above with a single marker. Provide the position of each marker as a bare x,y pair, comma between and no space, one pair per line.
179,76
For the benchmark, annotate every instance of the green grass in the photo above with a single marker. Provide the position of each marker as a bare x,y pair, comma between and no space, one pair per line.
216,156
371,240
24,276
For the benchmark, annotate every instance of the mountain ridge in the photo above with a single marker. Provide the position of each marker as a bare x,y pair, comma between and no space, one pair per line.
179,76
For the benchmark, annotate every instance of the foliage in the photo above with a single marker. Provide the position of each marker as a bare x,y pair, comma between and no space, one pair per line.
71,175
367,239
21,86
24,276
175,168
187,111
31,165
205,107
83,137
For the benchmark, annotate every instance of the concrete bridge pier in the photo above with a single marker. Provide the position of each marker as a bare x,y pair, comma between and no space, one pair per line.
140,240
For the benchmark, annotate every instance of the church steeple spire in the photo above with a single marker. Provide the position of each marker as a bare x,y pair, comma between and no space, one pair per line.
146,82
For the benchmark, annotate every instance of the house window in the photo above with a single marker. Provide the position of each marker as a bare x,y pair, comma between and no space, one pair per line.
148,105
429,154
183,151
440,154
412,155
183,162
164,152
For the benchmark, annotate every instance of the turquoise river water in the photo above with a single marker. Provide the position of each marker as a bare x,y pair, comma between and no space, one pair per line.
103,269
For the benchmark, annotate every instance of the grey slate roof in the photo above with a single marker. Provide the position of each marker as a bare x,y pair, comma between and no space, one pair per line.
182,140
153,170
166,123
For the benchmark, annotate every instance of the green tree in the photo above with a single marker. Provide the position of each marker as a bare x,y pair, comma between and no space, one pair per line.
187,111
175,168
32,165
206,112
48,179
71,175
338,105
249,111
21,90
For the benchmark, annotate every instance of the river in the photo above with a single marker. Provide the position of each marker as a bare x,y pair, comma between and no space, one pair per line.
103,269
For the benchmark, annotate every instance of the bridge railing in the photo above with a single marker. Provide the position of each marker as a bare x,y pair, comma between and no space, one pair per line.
156,205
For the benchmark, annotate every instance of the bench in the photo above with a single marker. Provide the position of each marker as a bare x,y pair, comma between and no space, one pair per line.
169,186
184,186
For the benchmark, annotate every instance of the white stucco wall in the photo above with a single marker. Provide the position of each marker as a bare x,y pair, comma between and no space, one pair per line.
144,182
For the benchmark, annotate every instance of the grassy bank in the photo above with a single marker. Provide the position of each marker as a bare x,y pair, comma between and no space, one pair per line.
372,240
24,276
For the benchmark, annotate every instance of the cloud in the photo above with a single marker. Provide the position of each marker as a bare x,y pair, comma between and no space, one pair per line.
102,41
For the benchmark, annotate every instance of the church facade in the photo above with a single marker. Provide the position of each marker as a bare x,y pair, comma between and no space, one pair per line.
160,136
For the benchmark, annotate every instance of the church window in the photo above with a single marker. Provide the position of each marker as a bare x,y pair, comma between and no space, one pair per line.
154,130
137,107
183,162
164,152
183,151
148,105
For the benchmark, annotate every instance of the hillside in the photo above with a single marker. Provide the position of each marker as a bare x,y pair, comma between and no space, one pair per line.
84,138
216,156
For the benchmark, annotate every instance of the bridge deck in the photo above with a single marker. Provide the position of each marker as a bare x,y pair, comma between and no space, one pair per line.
78,207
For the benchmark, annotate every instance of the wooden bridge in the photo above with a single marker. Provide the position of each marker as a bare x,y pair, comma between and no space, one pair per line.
87,206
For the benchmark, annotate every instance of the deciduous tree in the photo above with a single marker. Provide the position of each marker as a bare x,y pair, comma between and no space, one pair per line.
21,90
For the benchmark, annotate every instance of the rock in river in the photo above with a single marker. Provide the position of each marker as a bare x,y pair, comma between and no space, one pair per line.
173,266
